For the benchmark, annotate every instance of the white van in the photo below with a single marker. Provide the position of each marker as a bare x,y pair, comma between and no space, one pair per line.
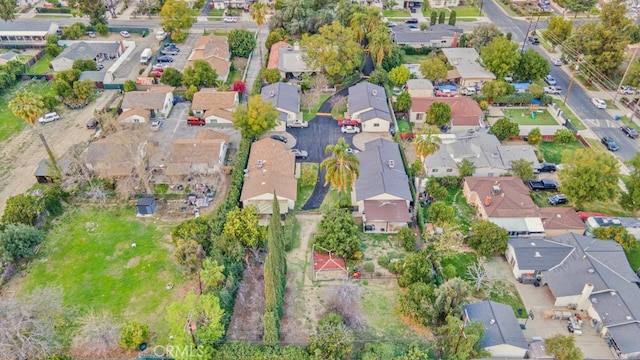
49,117
145,56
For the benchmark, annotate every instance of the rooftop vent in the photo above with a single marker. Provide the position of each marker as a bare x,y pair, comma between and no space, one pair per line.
374,92
260,163
487,201
629,318
594,300
537,254
558,216
392,164
613,293
532,243
493,321
263,183
289,48
591,271
495,189
272,94
615,221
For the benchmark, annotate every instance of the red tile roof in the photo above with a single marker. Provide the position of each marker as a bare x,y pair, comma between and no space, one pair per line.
274,54
464,111
328,262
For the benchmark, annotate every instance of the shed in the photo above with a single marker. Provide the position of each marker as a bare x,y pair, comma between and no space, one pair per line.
329,266
146,206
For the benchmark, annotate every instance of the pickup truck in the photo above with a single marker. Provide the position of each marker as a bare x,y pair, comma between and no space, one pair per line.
543,185
297,124
554,90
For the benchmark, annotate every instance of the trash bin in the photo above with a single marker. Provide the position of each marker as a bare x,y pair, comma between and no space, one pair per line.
144,33
617,117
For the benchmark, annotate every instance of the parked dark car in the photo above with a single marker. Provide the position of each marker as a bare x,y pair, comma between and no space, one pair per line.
165,59
548,167
609,143
412,10
543,185
630,132
534,40
279,138
558,199
411,21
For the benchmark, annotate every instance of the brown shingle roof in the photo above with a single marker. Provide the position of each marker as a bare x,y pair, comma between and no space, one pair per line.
561,218
213,49
276,173
135,111
274,54
512,201
204,149
464,111
152,99
387,210
112,156
209,99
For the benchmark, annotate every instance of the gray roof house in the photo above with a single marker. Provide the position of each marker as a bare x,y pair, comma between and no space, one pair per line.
435,36
468,71
382,190
482,149
291,63
8,56
503,337
26,33
419,88
85,50
593,276
286,99
368,104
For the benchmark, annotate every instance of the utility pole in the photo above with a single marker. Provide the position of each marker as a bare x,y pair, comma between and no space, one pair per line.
573,77
526,36
615,97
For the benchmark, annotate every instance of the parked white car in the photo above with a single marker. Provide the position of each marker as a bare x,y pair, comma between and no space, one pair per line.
350,130
49,117
599,103
230,19
124,34
556,62
161,35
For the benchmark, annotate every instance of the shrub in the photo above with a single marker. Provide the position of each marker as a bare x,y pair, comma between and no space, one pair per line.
407,240
384,261
369,267
309,177
564,136
130,85
9,271
102,29
133,334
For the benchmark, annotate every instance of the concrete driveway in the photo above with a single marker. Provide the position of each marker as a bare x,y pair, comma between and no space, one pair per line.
540,299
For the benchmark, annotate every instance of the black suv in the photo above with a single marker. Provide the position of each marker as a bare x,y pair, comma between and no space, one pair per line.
548,167
279,138
609,143
411,21
630,132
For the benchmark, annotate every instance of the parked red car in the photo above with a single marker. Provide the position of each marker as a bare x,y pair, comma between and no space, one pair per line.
156,73
348,122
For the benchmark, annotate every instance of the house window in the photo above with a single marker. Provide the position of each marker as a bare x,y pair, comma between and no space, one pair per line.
434,170
449,170
420,116
376,125
490,174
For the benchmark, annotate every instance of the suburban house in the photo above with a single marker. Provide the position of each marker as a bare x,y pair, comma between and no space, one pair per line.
86,51
468,71
484,150
115,156
25,34
214,50
503,337
368,104
96,76
419,88
438,4
226,4
466,115
215,107
271,169
203,155
382,192
158,100
505,201
435,36
586,274
135,115
561,220
8,56
406,4
286,99
288,59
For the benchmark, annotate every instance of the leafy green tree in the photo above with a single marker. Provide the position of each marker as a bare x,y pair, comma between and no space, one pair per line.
22,209
338,232
275,35
403,102
188,254
488,238
578,6
379,77
483,34
534,137
417,303
441,17
469,346
450,296
466,168
630,200
242,226
211,274
393,60
380,44
427,143
434,69
83,89
342,167
536,90
433,19
407,239
255,117
102,29
173,77
241,42
332,340
522,169
18,241
334,50
7,10
439,114
416,268
201,74
95,10
50,102
85,65
503,128
501,56
494,88
191,90
436,190
177,17
130,85
589,176
441,213
532,67
206,319
271,76
563,347
558,30
74,31
452,18
133,334
564,136
399,75
198,230
618,234
52,48
633,76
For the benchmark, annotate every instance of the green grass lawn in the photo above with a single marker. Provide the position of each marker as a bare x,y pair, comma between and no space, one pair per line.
233,76
415,59
306,115
404,126
634,258
9,123
572,117
611,105
216,12
523,116
379,304
304,192
552,152
584,82
461,261
464,212
331,200
396,13
461,11
41,66
507,293
609,207
89,255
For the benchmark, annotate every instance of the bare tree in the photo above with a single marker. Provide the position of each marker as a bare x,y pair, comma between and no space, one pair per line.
346,302
97,336
28,325
308,100
477,273
145,6
319,83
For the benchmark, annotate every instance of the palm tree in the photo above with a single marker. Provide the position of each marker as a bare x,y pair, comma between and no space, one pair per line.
426,143
29,107
373,19
342,167
258,14
380,44
357,25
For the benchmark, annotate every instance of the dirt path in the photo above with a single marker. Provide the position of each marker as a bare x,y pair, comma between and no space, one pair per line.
20,155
